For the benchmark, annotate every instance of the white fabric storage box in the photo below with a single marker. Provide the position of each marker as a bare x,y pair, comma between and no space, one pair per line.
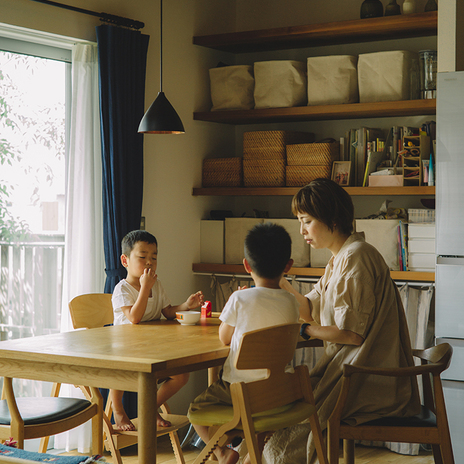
212,242
385,76
236,230
232,87
320,257
332,80
280,84
423,230
300,249
383,235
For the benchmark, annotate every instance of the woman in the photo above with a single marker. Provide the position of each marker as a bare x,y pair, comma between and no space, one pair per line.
355,308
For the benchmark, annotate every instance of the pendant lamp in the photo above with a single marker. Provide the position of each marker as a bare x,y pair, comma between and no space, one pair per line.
161,117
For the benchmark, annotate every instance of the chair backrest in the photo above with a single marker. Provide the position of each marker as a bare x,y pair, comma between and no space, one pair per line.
91,310
271,348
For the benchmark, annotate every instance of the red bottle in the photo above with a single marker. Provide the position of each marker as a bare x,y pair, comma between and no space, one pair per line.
206,309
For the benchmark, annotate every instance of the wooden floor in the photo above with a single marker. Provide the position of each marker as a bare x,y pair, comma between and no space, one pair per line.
364,455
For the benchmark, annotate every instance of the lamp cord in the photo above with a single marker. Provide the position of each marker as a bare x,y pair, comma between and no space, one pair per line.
161,45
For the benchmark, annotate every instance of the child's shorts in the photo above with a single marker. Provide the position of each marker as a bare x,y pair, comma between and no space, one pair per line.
218,393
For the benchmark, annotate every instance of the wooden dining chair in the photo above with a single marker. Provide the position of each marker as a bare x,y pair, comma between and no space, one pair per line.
23,418
95,310
430,426
281,400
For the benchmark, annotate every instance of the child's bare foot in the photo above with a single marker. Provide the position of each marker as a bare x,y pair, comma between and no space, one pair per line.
122,422
160,422
227,456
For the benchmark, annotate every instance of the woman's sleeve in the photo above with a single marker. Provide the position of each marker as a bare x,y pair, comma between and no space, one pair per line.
354,305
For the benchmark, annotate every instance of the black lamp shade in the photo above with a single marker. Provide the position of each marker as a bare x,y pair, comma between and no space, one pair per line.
161,118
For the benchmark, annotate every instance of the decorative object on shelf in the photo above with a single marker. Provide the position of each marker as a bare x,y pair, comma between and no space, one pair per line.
161,117
428,73
392,8
409,6
371,9
431,5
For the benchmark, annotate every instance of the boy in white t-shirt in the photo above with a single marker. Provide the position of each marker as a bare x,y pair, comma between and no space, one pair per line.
267,259
140,297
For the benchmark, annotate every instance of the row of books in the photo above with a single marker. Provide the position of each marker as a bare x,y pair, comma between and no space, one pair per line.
366,148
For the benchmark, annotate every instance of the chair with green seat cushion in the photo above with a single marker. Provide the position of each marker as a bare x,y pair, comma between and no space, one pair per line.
37,417
279,401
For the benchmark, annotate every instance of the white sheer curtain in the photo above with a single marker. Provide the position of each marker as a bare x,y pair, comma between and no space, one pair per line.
84,263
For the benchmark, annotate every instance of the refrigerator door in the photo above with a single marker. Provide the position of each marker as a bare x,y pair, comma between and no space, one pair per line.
450,164
449,297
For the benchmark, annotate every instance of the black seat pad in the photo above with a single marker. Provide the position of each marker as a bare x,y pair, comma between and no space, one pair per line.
43,410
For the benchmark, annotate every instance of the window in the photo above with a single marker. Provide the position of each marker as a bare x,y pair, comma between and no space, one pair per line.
34,104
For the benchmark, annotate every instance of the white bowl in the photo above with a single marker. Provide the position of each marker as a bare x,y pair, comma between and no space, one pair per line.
188,317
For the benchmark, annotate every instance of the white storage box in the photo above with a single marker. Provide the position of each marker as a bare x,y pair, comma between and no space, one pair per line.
383,235
232,87
422,261
424,230
300,249
280,84
332,80
236,230
385,76
320,257
421,215
421,245
212,242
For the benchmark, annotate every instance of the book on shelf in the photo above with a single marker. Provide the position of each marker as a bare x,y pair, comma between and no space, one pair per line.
402,246
368,139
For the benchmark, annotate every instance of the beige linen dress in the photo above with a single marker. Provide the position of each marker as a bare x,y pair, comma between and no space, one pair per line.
355,293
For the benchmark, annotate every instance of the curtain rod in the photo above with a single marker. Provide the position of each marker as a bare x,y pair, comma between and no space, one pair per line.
109,18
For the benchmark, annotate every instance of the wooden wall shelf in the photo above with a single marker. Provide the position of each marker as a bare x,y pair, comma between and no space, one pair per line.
290,191
238,269
321,113
317,35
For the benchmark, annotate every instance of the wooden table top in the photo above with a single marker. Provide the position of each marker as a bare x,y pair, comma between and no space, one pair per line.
148,347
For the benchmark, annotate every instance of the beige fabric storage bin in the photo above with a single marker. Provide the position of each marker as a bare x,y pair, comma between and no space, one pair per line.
236,230
280,84
212,241
385,76
300,249
383,235
232,87
271,144
332,80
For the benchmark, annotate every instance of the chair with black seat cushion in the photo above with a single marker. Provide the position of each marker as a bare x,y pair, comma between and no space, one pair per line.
263,406
95,310
428,427
32,417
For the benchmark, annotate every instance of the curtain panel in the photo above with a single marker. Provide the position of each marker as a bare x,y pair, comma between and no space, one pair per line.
122,65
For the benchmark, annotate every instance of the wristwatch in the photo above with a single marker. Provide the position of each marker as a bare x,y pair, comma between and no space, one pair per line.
302,331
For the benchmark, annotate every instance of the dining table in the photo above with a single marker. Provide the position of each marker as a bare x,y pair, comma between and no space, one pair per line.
130,357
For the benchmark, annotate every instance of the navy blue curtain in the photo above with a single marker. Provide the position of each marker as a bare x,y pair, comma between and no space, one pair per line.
122,55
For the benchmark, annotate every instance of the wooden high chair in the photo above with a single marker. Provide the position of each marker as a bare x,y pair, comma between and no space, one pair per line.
281,400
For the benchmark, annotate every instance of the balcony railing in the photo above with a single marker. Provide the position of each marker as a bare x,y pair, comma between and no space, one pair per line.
31,280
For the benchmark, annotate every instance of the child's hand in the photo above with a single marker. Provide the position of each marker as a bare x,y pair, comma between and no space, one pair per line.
148,278
242,288
195,300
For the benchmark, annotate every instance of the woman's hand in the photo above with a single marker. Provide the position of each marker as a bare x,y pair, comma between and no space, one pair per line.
333,334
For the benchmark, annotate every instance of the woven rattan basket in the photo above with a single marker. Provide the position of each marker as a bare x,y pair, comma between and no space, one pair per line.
312,154
264,173
271,144
222,172
298,176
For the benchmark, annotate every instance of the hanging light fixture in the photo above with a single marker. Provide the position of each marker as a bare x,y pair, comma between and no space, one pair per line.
161,117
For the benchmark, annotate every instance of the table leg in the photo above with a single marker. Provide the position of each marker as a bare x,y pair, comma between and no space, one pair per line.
147,394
